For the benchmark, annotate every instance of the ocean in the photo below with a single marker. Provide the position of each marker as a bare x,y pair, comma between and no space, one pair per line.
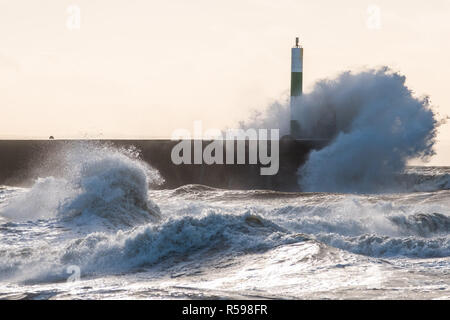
101,230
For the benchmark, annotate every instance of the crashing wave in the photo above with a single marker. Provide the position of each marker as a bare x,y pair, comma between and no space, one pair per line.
377,127
384,246
424,225
97,183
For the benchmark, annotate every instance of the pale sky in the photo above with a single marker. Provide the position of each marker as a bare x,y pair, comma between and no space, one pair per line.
142,68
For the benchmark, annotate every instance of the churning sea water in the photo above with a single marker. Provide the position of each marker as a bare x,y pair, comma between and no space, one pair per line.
99,232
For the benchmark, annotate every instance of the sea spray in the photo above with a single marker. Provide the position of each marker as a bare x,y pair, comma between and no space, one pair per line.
93,182
275,115
378,126
374,124
175,240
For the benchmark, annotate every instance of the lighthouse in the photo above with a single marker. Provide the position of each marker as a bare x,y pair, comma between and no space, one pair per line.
296,85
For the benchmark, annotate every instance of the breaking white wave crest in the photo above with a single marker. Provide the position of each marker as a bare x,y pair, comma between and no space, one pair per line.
204,232
96,182
177,240
213,235
384,246
425,179
376,126
232,237
423,224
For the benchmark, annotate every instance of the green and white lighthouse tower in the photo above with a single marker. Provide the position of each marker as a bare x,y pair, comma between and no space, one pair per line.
296,85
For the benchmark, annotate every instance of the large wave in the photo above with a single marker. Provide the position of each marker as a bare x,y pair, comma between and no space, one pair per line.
210,237
93,182
376,125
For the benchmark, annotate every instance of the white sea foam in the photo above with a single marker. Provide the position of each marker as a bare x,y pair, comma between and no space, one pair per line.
97,212
94,183
234,238
377,126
